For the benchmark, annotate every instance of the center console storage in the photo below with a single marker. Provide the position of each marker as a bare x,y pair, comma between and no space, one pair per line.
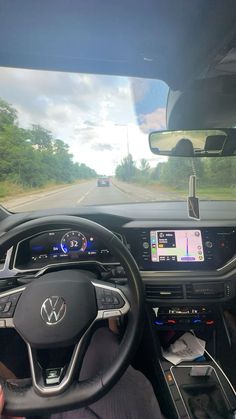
196,389
201,391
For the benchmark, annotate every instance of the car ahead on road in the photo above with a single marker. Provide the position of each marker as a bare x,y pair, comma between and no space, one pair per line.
103,181
101,303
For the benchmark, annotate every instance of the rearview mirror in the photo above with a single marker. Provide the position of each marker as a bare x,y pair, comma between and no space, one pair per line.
194,143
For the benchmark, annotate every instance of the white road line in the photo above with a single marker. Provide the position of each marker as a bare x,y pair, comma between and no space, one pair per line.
84,196
44,196
40,198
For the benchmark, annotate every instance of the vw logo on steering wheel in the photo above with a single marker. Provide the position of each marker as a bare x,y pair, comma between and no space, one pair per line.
53,310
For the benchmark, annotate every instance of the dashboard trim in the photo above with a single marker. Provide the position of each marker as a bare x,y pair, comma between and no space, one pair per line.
7,260
82,262
230,262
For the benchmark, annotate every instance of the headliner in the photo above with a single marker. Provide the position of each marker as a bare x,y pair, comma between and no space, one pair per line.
175,41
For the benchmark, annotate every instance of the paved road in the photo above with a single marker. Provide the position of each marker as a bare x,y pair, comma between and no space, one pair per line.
86,193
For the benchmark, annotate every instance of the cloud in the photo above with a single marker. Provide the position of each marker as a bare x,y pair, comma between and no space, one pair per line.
103,147
91,113
43,95
153,121
140,88
90,124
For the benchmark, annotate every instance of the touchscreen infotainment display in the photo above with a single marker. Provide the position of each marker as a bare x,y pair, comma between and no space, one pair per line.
176,246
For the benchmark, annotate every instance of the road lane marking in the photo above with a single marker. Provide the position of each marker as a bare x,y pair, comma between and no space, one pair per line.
43,196
84,196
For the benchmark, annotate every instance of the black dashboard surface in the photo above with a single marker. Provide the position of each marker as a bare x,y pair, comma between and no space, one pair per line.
213,213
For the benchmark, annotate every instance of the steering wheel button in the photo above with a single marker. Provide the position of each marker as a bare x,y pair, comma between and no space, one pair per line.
4,299
2,306
7,307
109,299
119,301
14,298
100,293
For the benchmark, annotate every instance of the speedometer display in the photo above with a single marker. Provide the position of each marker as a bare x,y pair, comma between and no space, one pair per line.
73,241
60,246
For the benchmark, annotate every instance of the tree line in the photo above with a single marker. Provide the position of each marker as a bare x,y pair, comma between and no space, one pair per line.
211,172
33,157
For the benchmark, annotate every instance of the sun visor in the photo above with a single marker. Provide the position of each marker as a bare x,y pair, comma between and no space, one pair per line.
206,103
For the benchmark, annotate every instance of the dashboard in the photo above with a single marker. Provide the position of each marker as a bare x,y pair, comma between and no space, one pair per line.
153,249
178,258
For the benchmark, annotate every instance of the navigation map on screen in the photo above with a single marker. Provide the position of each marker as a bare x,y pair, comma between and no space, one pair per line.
176,246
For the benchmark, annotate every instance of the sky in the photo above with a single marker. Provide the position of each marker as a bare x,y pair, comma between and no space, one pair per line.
101,118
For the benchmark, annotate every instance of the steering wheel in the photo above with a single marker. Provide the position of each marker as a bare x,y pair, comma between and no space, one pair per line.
60,309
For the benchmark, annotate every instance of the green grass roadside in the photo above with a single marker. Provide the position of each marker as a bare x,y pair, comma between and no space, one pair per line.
221,193
205,193
212,193
10,190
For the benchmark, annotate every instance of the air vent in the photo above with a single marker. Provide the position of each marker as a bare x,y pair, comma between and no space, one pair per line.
205,290
154,291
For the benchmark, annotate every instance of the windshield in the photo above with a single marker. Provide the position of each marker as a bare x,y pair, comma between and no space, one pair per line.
71,139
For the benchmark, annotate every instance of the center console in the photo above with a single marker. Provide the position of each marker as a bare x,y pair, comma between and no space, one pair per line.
193,389
199,391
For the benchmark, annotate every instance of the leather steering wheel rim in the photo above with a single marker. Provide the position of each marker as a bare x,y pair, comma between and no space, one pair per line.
23,399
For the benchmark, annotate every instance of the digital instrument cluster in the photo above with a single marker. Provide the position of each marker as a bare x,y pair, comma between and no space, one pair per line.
58,246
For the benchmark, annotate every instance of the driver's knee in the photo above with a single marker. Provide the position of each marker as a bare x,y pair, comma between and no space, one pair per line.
133,395
100,353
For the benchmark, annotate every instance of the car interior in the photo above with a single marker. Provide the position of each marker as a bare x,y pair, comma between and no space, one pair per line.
161,272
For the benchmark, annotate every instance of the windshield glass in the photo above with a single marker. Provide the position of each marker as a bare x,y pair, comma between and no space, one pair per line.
71,139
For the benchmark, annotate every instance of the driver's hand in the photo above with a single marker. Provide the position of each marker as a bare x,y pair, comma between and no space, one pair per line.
2,406
1,399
